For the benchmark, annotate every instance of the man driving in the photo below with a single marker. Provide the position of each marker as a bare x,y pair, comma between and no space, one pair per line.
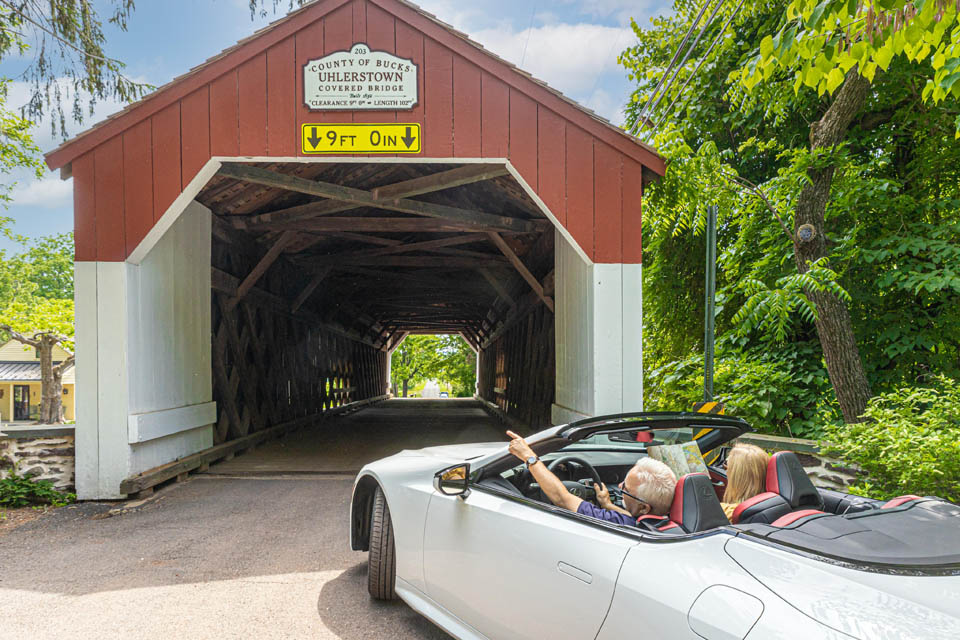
647,489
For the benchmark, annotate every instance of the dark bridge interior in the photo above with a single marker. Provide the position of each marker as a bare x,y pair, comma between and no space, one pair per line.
319,270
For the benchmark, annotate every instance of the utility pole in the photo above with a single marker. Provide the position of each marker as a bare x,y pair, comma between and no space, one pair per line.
710,290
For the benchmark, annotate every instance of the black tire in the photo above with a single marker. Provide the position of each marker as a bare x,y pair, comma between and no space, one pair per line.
381,563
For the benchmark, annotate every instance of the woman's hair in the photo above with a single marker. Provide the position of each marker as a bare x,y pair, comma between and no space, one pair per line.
746,473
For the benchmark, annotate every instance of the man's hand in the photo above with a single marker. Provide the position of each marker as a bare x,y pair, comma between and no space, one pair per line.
519,447
603,496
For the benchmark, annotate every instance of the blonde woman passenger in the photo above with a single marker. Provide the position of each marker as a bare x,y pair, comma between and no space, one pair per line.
746,475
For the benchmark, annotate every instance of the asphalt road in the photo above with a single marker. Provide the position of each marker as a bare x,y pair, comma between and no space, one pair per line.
250,550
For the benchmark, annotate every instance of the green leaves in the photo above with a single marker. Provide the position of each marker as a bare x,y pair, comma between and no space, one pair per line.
771,309
910,442
818,43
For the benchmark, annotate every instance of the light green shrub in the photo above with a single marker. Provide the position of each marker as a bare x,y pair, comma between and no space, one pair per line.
910,442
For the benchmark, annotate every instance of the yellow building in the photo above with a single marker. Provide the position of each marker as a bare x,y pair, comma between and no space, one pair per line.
20,383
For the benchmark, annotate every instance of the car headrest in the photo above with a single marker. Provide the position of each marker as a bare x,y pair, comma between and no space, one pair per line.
785,475
763,508
695,504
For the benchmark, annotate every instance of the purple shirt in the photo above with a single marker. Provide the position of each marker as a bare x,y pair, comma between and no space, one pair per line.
588,509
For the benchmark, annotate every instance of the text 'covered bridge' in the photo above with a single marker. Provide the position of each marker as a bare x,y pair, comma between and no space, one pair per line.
256,237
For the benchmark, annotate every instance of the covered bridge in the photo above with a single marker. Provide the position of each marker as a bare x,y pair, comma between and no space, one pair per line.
256,237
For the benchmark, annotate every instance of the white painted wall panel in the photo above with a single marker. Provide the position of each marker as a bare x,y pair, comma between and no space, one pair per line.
574,333
632,283
607,338
112,389
87,403
169,318
157,424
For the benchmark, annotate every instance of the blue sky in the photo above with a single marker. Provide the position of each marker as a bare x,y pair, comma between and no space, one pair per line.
570,44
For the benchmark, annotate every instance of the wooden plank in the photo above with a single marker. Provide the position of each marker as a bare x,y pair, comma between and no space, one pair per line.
224,107
282,72
195,133
137,184
579,188
460,176
466,106
84,209
521,268
252,81
308,290
268,259
498,287
166,159
374,225
465,217
551,167
438,96
630,235
523,136
309,46
608,213
425,262
399,247
494,117
338,36
108,178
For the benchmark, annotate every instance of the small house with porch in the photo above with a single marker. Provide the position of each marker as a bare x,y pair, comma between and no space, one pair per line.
20,394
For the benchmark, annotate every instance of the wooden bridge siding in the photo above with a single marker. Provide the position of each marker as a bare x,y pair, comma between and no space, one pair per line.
506,365
271,367
255,108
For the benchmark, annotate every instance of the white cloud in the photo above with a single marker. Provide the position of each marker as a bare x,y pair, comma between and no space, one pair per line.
48,193
568,57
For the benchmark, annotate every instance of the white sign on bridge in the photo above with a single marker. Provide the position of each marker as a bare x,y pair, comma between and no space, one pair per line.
360,79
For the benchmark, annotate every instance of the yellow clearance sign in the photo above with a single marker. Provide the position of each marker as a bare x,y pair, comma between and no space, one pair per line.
346,138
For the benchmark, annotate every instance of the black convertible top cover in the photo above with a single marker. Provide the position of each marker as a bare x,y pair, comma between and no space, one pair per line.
922,534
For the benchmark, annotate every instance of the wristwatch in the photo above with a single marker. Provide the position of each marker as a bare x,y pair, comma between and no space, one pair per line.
532,460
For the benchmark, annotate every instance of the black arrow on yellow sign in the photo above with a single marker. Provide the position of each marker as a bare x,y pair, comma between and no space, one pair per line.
408,139
314,140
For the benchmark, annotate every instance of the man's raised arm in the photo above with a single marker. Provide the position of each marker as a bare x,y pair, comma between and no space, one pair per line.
549,483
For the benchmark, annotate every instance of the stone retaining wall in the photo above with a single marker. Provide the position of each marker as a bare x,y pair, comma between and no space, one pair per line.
825,472
40,452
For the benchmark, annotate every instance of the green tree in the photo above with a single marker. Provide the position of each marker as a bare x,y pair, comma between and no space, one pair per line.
458,365
892,194
36,309
416,359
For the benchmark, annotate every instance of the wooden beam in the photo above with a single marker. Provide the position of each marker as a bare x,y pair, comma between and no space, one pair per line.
521,268
471,219
373,225
458,177
261,268
362,237
498,287
430,262
400,247
309,289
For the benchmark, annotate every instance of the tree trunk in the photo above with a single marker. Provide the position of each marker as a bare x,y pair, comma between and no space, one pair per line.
51,405
834,327
405,387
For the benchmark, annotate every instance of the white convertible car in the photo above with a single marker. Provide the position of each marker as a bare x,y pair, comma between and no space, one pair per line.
463,535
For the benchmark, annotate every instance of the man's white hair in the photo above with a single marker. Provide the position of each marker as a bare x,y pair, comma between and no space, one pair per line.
653,482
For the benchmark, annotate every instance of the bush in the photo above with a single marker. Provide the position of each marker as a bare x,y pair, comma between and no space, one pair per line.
910,442
779,389
18,491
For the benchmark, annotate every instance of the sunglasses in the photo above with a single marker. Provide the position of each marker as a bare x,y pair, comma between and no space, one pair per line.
619,488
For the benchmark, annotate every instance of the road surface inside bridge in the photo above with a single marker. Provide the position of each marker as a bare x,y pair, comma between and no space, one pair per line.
256,548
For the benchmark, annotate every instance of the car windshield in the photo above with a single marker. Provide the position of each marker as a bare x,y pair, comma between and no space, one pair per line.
633,439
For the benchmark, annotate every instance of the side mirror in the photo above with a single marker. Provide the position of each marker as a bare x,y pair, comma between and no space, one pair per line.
453,481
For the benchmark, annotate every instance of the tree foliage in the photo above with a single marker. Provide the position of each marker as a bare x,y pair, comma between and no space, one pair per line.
444,358
890,225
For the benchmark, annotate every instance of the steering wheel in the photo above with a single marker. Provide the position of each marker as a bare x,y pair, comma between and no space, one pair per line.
573,487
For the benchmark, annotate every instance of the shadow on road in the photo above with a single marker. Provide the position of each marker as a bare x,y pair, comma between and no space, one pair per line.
347,611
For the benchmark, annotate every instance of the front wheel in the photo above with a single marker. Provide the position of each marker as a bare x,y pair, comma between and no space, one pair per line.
381,563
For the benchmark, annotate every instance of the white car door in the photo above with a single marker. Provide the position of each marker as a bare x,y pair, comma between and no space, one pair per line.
513,570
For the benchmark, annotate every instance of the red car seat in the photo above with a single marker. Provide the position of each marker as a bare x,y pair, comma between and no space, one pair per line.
785,476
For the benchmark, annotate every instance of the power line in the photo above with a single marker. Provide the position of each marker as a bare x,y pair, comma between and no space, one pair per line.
523,57
706,55
676,55
687,55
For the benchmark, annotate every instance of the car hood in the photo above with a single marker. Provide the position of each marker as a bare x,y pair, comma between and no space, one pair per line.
461,452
